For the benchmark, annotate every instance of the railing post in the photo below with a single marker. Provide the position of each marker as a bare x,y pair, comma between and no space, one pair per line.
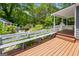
38,40
23,46
62,24
54,23
0,45
66,22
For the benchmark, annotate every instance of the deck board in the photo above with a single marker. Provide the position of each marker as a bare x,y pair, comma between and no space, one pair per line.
64,50
72,50
76,50
44,50
53,47
32,50
42,46
60,50
55,50
68,49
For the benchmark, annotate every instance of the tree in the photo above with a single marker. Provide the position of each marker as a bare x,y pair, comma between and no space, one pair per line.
7,9
25,13
64,5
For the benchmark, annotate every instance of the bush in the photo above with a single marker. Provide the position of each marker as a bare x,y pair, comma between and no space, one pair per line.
11,29
27,27
37,27
2,29
30,43
7,29
48,21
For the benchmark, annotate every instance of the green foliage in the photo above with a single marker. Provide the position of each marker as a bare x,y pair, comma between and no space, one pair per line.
7,8
1,26
64,5
27,27
37,27
58,20
7,29
24,14
48,21
30,43
10,29
70,21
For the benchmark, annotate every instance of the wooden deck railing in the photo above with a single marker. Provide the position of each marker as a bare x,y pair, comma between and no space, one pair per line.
18,38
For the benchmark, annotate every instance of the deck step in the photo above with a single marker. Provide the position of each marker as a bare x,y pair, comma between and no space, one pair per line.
65,35
71,39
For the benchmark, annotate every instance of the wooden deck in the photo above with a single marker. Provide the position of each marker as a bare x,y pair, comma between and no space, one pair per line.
62,45
53,47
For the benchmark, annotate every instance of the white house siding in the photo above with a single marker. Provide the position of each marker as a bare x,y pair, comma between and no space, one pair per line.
77,22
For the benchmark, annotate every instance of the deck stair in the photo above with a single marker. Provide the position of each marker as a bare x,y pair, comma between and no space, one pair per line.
66,37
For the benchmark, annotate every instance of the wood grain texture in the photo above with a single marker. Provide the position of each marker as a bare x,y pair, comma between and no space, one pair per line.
53,47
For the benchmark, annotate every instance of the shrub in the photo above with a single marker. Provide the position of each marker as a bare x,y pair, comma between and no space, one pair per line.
7,29
37,27
11,29
2,29
27,27
30,43
48,21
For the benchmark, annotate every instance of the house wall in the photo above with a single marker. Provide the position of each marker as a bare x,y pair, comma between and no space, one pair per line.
77,22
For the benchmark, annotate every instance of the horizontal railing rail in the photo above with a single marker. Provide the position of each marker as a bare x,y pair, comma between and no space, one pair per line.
18,38
12,39
70,27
